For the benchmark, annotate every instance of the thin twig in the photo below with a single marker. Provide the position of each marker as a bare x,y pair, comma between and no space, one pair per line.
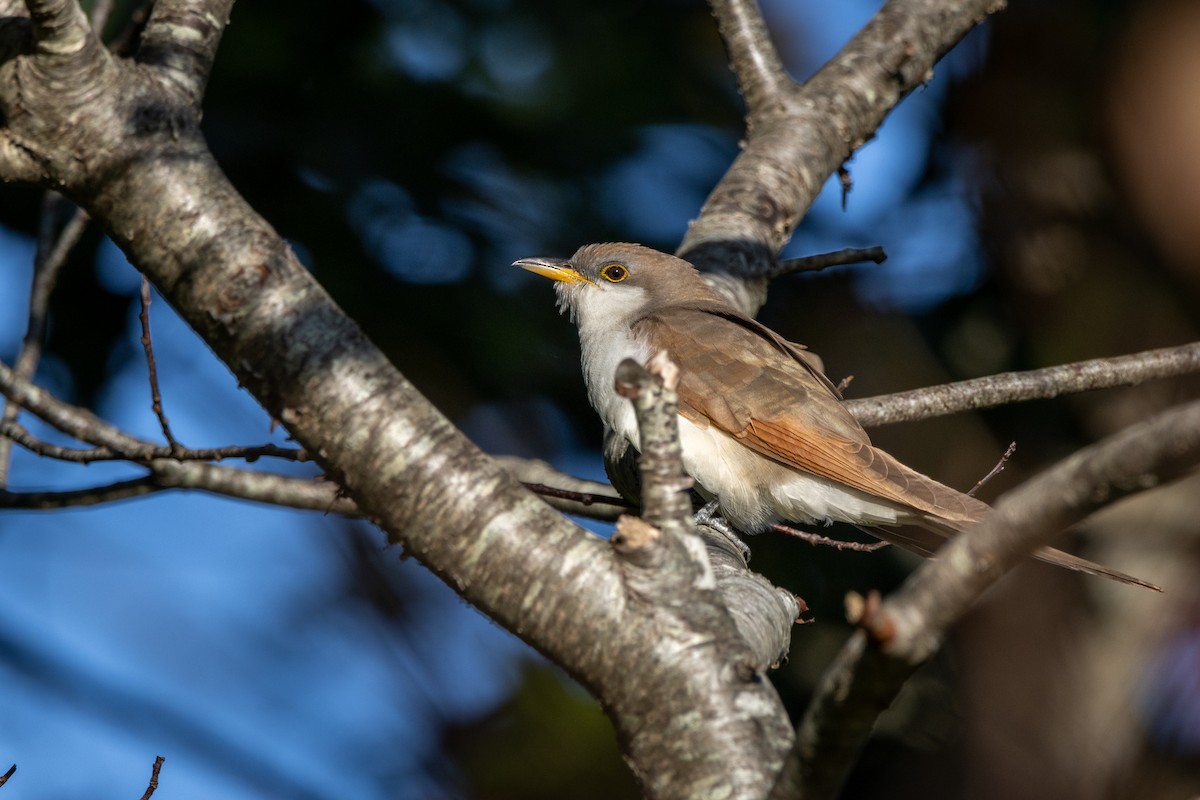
849,255
79,498
148,346
996,470
847,182
4,778
586,498
158,762
52,254
260,487
76,422
816,539
250,453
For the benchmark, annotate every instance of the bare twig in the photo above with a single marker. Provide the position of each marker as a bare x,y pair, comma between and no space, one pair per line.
816,539
11,771
567,493
51,256
1039,384
76,422
158,762
251,453
849,255
78,498
583,498
152,366
260,487
996,470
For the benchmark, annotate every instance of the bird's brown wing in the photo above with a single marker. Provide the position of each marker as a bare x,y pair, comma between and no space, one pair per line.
769,394
760,389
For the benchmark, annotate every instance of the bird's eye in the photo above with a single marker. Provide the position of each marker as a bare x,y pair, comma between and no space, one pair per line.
615,273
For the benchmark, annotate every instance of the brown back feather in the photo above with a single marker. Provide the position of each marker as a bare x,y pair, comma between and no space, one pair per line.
763,390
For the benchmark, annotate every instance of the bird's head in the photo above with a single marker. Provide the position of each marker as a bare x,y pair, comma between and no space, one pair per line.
619,281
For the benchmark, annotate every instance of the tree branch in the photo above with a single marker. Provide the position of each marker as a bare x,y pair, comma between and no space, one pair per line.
78,423
153,785
797,136
1011,387
148,451
665,499
819,261
666,565
760,74
906,629
60,28
180,41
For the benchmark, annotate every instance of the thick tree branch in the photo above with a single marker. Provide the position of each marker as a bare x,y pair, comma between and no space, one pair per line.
664,563
60,28
1011,387
760,74
180,40
907,628
912,622
797,136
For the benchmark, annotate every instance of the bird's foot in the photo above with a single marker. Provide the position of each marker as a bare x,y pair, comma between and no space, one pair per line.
709,517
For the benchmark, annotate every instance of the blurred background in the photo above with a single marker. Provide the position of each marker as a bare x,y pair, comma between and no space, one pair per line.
1039,201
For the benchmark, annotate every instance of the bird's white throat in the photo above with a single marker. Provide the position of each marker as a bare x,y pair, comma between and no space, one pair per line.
604,318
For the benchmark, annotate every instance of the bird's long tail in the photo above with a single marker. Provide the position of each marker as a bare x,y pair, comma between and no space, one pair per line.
925,541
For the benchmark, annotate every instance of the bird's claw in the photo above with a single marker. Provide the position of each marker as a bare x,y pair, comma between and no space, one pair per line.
709,517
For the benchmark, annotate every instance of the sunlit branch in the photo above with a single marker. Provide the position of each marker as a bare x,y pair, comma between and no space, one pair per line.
1039,384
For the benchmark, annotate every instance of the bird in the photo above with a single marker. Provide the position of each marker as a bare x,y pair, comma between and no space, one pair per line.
762,430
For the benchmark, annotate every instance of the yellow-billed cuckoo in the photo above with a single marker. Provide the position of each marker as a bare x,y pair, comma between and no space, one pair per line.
761,427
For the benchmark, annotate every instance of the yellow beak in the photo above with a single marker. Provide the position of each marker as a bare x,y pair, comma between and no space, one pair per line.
556,269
